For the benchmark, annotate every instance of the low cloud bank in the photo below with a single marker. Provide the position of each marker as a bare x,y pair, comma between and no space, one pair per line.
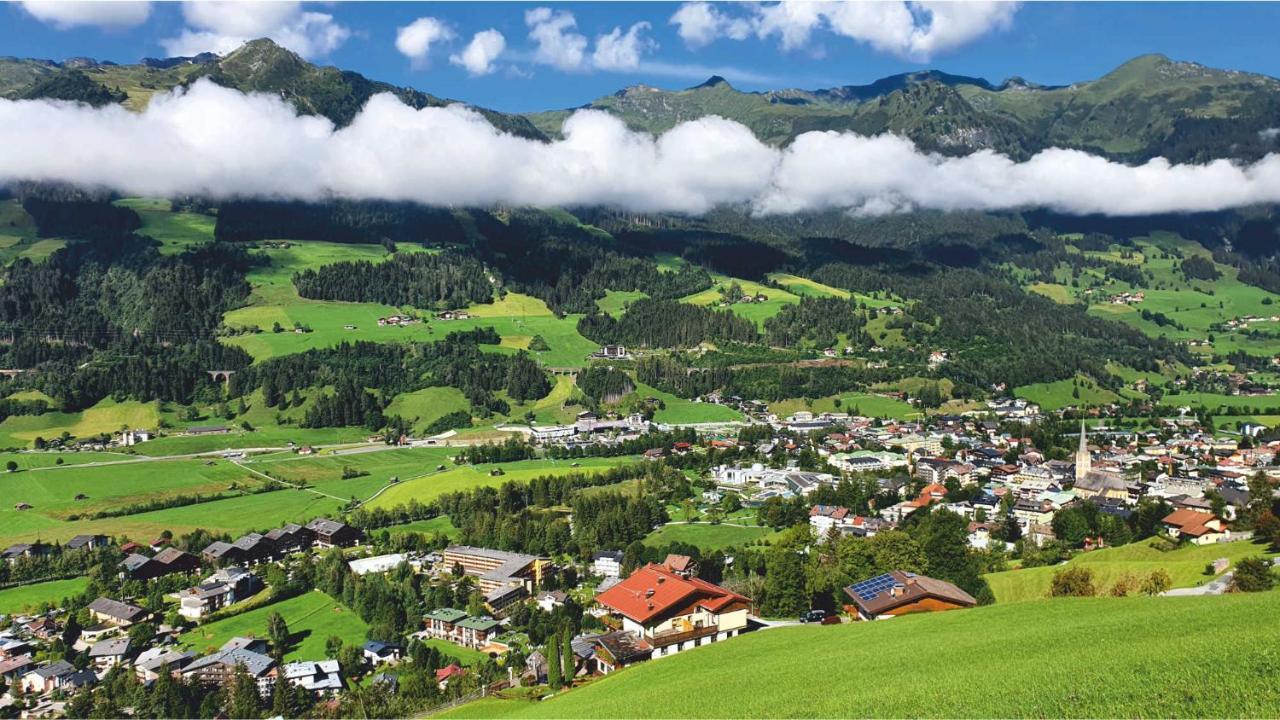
221,143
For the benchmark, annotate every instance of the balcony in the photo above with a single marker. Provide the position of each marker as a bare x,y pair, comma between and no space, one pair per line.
673,637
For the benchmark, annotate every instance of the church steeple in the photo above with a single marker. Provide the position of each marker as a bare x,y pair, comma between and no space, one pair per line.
1083,460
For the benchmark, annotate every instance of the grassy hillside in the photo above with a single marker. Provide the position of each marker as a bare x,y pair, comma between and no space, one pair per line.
313,618
1074,657
1185,566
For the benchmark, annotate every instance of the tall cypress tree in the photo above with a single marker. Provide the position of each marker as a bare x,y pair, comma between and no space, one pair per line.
553,661
568,661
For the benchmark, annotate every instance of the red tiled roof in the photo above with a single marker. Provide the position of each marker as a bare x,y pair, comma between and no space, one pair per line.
653,591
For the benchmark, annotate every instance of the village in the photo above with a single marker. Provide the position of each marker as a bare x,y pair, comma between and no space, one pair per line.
1019,483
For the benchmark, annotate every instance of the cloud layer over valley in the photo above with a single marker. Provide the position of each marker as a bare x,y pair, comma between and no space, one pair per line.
221,143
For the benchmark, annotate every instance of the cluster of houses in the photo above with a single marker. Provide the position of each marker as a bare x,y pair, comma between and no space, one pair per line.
589,427
254,548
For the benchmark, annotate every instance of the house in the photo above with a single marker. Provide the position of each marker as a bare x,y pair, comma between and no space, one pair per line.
289,538
681,565
218,668
88,542
618,649
668,612
448,673
901,593
825,518
1195,526
611,352
218,591
476,632
218,552
536,666
115,612
442,623
331,533
108,653
320,677
166,562
550,599
25,550
607,563
151,662
376,653
15,667
60,675
254,548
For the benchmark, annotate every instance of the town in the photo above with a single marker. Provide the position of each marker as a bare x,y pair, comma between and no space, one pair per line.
863,519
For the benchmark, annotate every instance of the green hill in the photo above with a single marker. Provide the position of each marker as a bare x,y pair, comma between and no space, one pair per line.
1065,658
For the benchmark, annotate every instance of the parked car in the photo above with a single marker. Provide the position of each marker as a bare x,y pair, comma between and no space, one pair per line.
814,616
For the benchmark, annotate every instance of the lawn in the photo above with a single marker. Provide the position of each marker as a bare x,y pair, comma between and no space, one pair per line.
440,524
51,492
1086,657
1059,394
706,536
425,406
108,416
464,656
427,488
1184,565
866,404
755,312
679,411
18,599
615,302
176,231
313,618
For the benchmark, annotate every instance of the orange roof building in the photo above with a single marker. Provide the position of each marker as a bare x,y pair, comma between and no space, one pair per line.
669,612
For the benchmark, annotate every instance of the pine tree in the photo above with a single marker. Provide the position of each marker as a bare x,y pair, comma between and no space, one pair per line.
568,662
553,662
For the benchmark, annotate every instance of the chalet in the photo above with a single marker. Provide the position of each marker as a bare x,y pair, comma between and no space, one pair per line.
453,315
88,542
116,612
152,662
13,553
108,653
218,552
1200,528
331,533
320,677
445,674
219,590
15,667
375,652
825,518
289,538
254,548
618,649
166,562
217,669
901,593
60,675
681,565
666,612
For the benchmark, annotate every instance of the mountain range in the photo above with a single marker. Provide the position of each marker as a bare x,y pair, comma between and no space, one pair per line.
1151,106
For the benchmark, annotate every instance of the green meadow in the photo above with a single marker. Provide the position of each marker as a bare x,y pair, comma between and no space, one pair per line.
1075,657
1185,566
1063,393
430,486
755,312
706,536
866,404
313,618
30,597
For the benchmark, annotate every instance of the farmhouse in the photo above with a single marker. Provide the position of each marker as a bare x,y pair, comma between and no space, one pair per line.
901,593
668,613
1200,528
116,612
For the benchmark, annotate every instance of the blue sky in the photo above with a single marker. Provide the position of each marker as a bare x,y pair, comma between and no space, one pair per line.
755,46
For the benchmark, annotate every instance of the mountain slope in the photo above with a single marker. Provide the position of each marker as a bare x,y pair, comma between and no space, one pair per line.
1095,657
1150,106
259,66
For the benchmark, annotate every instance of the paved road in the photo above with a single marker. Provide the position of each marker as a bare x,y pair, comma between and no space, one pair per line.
1216,587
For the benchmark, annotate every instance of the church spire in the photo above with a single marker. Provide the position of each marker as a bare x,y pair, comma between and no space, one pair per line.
1083,460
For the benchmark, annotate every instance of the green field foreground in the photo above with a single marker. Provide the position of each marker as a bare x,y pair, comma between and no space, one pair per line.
27,597
1077,657
1185,566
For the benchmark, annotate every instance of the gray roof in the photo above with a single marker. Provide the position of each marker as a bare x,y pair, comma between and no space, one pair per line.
254,663
110,647
58,669
134,561
217,549
116,609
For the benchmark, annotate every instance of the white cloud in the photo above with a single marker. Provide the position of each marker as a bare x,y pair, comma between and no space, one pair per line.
414,40
700,23
915,30
214,141
479,55
558,44
622,51
221,26
66,14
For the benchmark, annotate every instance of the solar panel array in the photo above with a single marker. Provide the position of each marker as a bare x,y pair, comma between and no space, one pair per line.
870,589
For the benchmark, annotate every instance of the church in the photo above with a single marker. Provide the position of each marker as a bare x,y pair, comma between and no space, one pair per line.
1096,483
